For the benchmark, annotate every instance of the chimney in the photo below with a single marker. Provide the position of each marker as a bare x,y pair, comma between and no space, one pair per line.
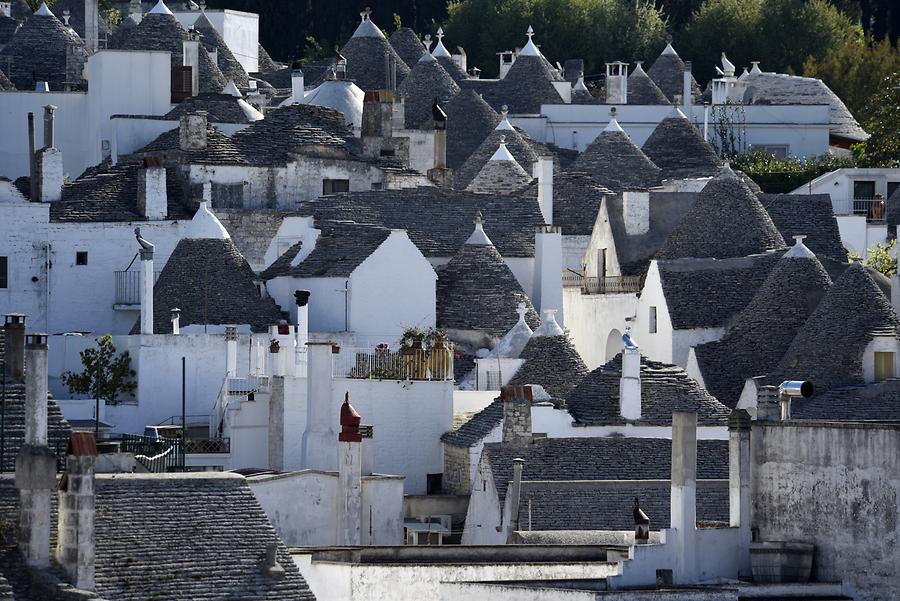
276,423
515,496
271,567
506,61
792,389
48,172
630,384
739,482
192,131
32,160
349,476
276,357
636,211
543,173
548,261
176,321
231,351
768,408
148,279
35,464
75,543
91,25
440,136
134,10
687,88
683,497
14,341
398,114
377,117
318,438
190,51
152,196
49,127
297,87
516,414
300,315
616,83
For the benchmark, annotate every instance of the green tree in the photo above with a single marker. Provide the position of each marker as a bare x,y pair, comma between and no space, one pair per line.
883,145
106,375
880,259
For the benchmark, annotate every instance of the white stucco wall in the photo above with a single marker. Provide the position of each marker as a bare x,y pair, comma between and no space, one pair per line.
593,320
239,29
23,241
484,515
858,235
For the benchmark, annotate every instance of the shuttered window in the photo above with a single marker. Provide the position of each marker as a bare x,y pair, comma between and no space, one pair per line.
182,83
4,276
884,366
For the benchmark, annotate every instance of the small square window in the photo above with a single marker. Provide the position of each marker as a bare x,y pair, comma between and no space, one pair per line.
81,257
335,186
4,275
652,325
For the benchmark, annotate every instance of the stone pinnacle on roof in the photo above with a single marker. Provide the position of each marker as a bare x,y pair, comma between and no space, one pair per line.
365,29
206,226
799,250
502,174
579,85
727,66
668,50
512,344
160,9
440,49
479,236
613,124
231,89
530,49
516,143
548,326
504,119
43,11
502,153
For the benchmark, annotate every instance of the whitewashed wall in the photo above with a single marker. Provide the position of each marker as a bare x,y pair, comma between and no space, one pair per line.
596,323
240,30
23,240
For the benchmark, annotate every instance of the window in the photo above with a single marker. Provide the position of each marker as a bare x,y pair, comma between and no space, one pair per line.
334,186
81,257
4,276
388,152
864,189
779,151
652,321
884,366
182,84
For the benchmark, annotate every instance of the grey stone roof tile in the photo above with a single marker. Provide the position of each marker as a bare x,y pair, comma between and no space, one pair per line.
220,150
452,68
231,68
667,72
866,402
528,85
515,142
615,162
642,90
5,84
442,219
407,45
477,427
664,388
708,293
220,108
340,249
600,458
810,215
551,362
426,84
265,64
8,26
470,120
366,63
676,147
828,349
727,220
763,330
37,52
477,291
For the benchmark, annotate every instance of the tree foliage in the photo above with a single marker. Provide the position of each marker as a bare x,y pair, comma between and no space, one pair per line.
881,258
106,375
776,175
883,125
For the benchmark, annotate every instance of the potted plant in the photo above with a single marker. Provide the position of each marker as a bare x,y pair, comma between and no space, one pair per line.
440,355
411,341
274,346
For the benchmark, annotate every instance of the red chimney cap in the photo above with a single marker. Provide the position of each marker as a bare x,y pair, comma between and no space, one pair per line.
81,444
350,421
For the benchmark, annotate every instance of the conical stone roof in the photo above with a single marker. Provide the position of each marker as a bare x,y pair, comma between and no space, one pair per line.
264,62
162,31
425,84
452,68
515,143
667,72
8,27
500,175
408,45
614,161
230,67
678,148
642,90
5,84
551,362
366,52
529,84
764,329
37,52
76,17
726,220
476,291
828,349
470,120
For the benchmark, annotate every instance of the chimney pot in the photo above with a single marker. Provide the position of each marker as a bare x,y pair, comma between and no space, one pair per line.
14,339
630,384
767,404
516,414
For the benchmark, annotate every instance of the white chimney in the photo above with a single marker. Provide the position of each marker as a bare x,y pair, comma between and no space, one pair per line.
49,163
231,351
548,261
636,211
91,25
687,89
176,321
319,451
297,89
75,544
152,199
190,50
543,172
617,83
147,282
300,316
630,384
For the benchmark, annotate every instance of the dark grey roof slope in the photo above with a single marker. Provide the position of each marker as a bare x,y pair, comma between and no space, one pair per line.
230,67
8,26
470,120
727,220
212,284
615,162
426,84
828,349
264,62
871,402
477,291
642,90
607,505
220,150
778,88
58,429
515,142
551,362
762,332
810,215
37,52
20,10
528,85
158,31
500,177
451,67
676,147
296,129
667,72
76,17
600,458
708,293
664,388
477,427
438,221
340,249
576,201
105,193
366,62
114,40
635,251
282,265
5,84
407,45
220,108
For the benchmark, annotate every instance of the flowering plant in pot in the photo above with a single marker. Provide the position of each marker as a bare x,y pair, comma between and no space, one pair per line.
274,346
411,340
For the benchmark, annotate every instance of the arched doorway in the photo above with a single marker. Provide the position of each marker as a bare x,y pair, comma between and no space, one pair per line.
613,345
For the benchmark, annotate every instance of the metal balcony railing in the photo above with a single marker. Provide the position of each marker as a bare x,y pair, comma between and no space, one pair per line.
128,287
435,364
623,284
873,209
